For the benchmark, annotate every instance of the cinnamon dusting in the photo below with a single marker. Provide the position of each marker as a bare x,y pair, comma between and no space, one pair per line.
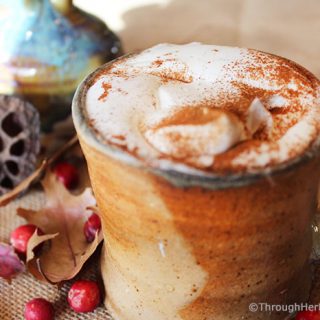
106,87
169,75
157,63
282,87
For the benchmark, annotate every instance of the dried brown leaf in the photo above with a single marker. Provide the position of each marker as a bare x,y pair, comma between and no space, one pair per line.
62,220
10,264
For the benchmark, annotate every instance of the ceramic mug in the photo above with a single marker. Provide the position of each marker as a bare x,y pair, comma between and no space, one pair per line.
181,246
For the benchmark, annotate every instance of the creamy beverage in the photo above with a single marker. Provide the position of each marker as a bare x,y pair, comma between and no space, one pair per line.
204,163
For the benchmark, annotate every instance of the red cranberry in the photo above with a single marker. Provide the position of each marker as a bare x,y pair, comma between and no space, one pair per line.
84,296
20,236
308,315
67,173
39,309
91,227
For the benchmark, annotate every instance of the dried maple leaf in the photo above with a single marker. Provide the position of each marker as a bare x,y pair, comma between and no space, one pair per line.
10,264
62,220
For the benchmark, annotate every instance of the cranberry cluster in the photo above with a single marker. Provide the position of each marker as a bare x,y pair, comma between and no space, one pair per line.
84,295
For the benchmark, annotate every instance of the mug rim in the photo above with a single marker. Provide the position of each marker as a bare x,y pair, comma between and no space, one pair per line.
177,178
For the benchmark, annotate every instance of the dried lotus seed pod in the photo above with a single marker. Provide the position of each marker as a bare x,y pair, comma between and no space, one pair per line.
19,141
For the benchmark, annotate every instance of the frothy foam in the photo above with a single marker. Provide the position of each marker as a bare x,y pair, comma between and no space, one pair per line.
208,108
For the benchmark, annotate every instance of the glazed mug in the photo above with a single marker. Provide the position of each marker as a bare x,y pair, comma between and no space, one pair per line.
187,247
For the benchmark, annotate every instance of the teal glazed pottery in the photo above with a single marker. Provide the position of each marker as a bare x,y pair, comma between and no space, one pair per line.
46,48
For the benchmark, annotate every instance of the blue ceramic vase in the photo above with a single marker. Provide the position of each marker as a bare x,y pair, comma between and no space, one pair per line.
46,48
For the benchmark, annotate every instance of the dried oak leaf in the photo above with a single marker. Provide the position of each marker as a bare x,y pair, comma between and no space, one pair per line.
10,264
62,220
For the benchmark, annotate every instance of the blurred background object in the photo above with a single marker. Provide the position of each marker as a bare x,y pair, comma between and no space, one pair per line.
290,28
46,49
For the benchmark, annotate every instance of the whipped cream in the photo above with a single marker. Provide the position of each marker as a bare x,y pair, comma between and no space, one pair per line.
206,108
